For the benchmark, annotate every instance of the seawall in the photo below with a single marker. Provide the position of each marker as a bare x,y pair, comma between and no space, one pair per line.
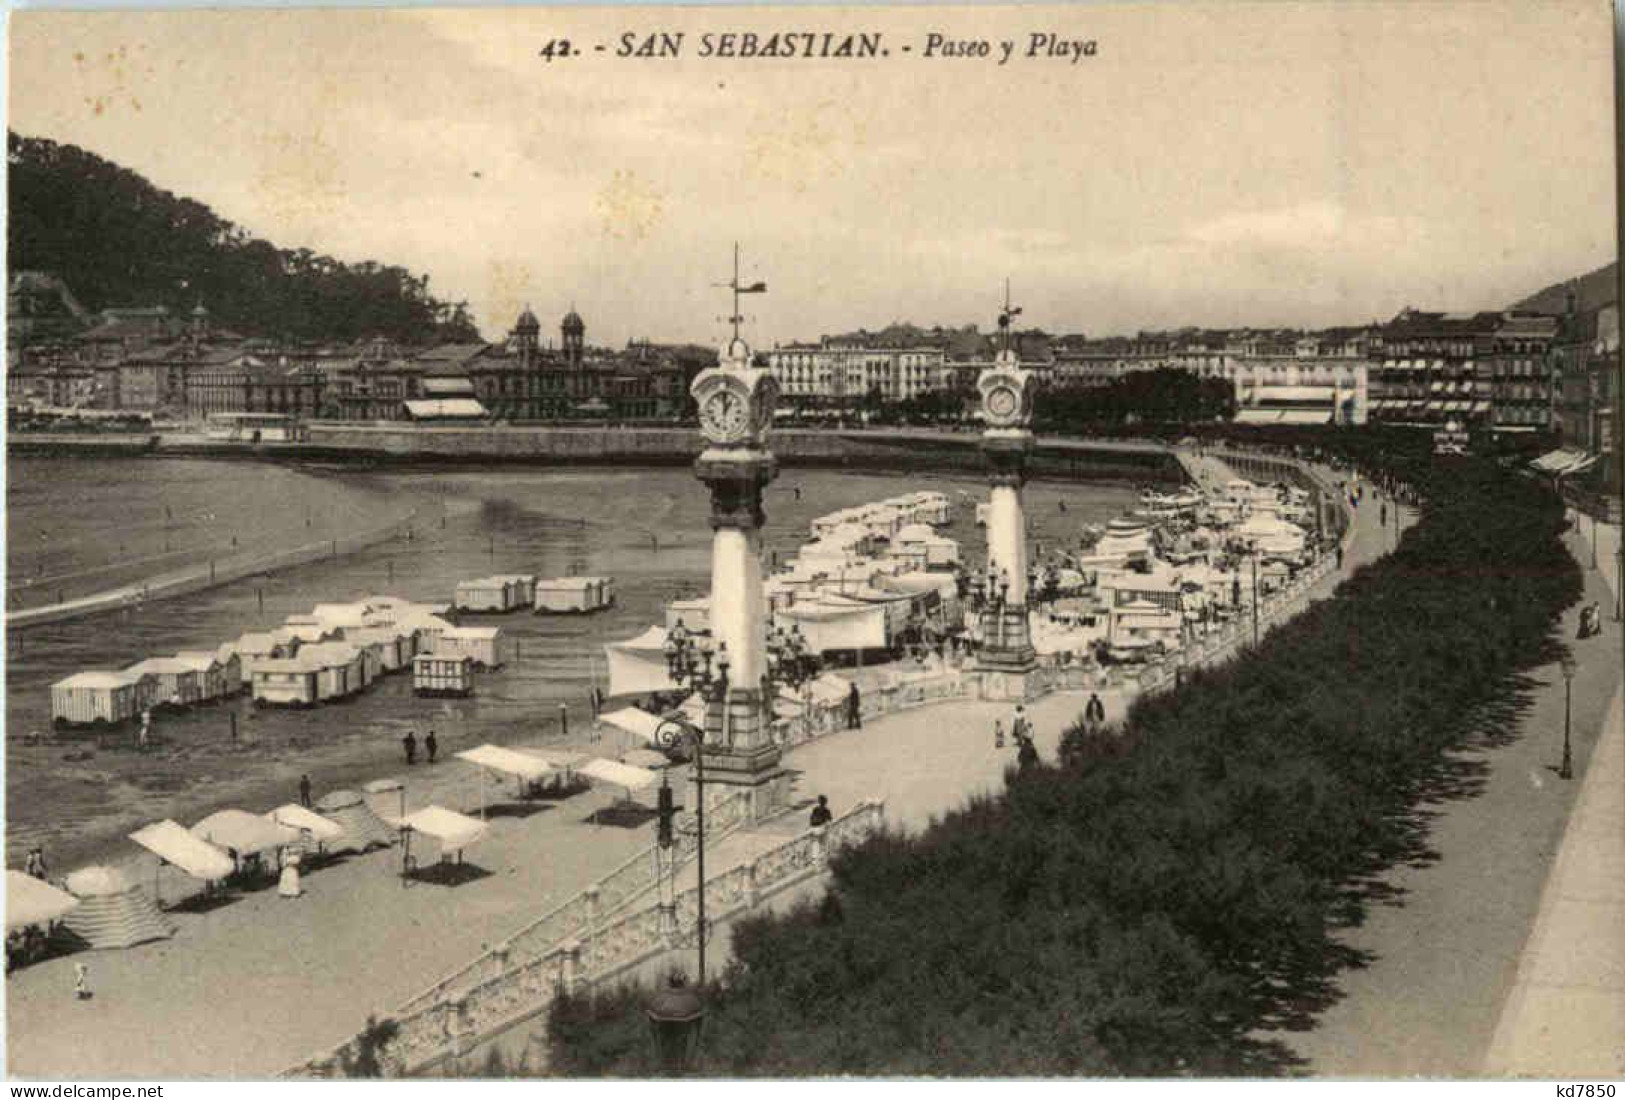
665,445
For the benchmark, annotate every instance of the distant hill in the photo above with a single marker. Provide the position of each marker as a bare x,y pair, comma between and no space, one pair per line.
1596,289
116,240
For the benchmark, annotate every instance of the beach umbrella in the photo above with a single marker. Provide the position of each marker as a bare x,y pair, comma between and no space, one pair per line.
31,901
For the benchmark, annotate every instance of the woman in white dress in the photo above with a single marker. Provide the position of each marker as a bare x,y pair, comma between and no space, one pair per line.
288,885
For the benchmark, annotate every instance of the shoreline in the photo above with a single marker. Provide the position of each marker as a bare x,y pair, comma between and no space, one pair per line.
413,447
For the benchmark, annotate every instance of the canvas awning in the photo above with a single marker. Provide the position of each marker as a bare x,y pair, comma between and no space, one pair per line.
31,901
453,830
558,759
647,758
638,666
507,761
174,845
639,723
243,833
445,408
617,774
295,816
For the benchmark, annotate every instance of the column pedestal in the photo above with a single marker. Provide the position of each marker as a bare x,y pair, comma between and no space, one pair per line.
740,753
1007,656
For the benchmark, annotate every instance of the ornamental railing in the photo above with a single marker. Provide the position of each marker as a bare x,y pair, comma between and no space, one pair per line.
448,1027
578,914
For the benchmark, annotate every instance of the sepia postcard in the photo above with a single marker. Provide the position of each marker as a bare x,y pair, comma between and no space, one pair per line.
900,542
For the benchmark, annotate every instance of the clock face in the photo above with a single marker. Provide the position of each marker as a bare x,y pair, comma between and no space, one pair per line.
1002,402
724,416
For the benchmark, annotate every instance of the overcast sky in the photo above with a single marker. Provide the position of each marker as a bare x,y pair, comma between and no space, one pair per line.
1273,164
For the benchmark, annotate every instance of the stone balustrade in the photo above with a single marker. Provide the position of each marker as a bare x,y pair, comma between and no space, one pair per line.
451,1025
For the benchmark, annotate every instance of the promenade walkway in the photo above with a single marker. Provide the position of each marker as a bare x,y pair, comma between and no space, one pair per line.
262,983
1444,949
1565,1016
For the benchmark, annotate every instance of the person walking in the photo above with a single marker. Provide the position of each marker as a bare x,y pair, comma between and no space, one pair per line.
1027,754
430,745
1020,728
854,709
409,744
998,733
81,981
304,791
820,814
1094,711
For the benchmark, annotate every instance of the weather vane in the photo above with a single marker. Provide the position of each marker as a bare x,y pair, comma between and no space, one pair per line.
1006,315
737,317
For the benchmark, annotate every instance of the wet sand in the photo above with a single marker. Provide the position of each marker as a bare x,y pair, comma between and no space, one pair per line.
79,798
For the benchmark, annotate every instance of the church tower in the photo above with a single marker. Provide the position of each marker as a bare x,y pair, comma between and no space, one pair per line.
574,331
526,334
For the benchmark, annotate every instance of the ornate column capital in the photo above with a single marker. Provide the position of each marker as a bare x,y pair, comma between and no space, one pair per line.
736,480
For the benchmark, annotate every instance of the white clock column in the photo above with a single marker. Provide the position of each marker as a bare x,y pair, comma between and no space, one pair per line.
736,403
1007,655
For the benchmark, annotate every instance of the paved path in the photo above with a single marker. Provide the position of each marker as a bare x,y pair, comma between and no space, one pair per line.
258,985
1565,1017
1445,951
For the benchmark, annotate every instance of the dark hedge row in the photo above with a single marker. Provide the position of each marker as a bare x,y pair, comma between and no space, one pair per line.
1152,904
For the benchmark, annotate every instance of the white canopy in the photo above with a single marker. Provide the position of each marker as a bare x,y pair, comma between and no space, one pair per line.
638,666
243,832
830,688
173,844
639,723
618,774
30,901
455,831
827,625
295,816
559,759
647,758
507,761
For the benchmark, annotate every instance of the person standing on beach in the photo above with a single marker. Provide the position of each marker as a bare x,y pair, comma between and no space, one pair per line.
410,744
304,791
430,745
81,981
1094,711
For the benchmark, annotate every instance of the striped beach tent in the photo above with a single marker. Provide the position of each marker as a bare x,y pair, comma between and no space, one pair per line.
363,829
113,912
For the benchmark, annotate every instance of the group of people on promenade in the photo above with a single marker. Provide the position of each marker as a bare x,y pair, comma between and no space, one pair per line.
409,743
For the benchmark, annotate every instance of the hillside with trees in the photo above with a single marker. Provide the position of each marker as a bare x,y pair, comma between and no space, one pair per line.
117,240
1598,288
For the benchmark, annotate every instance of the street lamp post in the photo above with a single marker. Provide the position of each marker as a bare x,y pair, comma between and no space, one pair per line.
689,661
1566,769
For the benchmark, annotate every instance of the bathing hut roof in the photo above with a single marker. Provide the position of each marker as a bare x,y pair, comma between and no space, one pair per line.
98,679
159,666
